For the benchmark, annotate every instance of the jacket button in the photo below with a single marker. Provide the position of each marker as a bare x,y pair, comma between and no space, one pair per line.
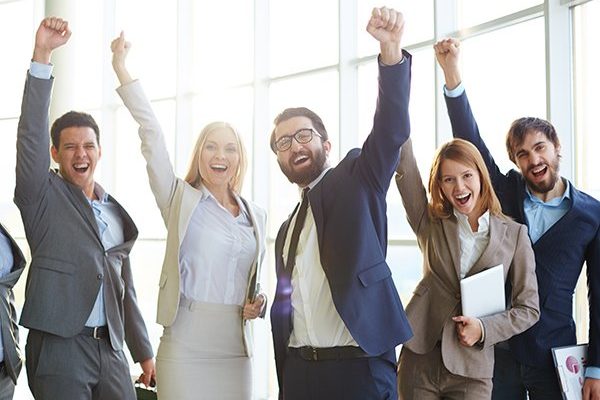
100,276
457,296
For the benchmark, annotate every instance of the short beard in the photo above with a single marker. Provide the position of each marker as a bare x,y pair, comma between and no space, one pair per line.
544,187
303,178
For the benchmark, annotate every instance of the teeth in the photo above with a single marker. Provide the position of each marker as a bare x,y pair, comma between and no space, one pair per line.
219,166
462,196
80,165
301,158
538,170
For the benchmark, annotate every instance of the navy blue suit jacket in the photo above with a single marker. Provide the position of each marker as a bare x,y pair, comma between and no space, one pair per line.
349,208
559,254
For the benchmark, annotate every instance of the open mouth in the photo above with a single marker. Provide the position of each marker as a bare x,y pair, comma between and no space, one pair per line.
81,168
218,167
538,172
301,159
463,199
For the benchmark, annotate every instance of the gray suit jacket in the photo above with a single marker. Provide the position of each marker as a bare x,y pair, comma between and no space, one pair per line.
8,314
68,260
436,298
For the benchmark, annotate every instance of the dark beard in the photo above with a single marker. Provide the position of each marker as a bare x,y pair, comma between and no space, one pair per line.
544,187
306,176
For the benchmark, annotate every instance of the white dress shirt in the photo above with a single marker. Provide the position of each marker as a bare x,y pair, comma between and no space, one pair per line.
217,253
472,244
315,319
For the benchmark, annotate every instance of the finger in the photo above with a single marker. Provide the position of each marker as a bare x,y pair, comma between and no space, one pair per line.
391,23
385,16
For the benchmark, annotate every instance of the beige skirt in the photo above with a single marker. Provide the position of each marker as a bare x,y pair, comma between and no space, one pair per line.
202,355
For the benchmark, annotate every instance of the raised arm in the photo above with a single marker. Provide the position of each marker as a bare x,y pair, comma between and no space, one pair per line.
412,191
464,126
391,127
33,141
158,165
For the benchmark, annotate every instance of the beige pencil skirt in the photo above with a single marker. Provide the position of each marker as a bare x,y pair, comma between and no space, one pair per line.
202,355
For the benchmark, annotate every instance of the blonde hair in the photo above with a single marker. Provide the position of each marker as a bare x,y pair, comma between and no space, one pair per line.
193,176
465,153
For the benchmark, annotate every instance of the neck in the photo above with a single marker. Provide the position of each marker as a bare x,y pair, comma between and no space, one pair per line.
557,191
221,193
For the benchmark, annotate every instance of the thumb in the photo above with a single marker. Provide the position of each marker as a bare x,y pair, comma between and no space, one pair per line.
459,319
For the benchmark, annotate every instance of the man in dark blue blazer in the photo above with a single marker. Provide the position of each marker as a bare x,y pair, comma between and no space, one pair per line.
564,226
336,317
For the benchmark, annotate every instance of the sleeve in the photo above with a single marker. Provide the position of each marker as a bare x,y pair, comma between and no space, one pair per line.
158,164
136,335
33,141
465,127
525,310
391,125
592,260
412,191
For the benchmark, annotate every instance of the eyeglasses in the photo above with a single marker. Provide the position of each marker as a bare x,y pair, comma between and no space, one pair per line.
302,136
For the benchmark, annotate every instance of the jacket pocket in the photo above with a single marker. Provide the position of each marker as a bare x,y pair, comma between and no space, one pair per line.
63,267
374,274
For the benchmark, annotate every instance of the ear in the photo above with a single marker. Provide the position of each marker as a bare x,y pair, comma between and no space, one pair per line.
54,154
327,147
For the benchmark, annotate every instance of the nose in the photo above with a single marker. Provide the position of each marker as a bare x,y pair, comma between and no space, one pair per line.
460,184
80,151
295,145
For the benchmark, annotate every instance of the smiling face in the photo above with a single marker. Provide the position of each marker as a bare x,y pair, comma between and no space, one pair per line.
77,155
301,163
538,160
219,159
461,185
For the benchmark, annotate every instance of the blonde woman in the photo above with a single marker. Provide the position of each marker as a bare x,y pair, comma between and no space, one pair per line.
461,231
215,245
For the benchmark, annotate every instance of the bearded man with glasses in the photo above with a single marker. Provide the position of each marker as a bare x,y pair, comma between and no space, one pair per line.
337,317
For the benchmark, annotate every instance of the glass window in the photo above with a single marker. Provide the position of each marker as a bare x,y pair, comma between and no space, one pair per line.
318,92
302,35
132,187
9,214
587,82
504,75
474,12
89,49
17,47
406,263
229,59
418,14
153,57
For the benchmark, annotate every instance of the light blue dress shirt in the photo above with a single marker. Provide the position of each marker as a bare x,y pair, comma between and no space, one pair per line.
6,264
107,216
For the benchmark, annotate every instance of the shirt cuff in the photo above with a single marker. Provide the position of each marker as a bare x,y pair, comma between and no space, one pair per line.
457,91
592,372
40,71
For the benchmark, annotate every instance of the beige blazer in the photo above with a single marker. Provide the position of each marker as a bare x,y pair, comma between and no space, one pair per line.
176,200
436,298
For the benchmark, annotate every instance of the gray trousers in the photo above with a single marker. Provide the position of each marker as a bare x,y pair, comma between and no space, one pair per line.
7,387
77,368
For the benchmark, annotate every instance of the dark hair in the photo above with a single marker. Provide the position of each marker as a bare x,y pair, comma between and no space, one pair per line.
289,113
71,119
523,126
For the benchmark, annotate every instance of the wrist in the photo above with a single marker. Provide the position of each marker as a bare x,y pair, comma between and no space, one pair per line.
41,55
391,53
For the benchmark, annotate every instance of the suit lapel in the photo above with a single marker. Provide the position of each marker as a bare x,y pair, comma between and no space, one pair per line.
254,272
83,207
450,227
489,256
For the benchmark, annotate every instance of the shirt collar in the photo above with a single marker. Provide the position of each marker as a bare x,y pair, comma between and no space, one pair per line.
98,190
314,182
552,202
483,221
206,194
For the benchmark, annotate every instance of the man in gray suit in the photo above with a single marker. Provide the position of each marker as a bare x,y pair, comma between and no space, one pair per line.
80,303
12,264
